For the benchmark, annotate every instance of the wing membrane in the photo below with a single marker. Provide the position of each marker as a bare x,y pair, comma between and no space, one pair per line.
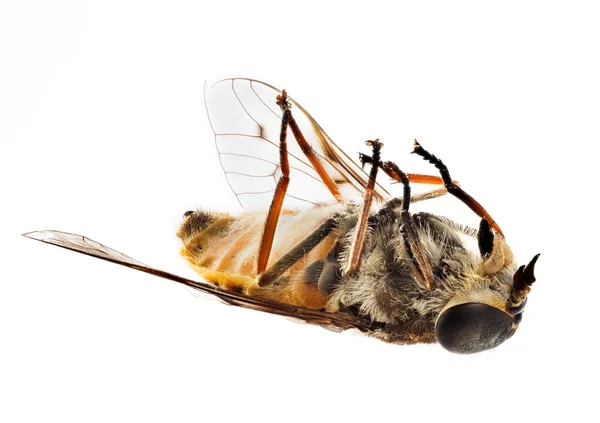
246,122
81,244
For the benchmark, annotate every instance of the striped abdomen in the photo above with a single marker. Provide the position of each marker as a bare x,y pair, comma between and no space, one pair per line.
223,250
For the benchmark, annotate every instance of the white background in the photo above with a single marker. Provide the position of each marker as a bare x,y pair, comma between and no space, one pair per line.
103,132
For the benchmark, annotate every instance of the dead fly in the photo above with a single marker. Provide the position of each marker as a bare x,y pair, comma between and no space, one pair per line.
323,254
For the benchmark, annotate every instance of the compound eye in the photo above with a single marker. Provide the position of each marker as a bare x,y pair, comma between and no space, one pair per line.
517,312
472,327
517,319
187,213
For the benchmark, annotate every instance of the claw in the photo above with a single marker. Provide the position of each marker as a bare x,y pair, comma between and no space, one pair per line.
282,101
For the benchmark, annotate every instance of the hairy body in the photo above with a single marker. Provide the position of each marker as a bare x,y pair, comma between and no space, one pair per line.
223,250
400,277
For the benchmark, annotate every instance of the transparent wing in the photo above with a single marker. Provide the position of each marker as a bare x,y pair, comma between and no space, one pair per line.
81,244
246,122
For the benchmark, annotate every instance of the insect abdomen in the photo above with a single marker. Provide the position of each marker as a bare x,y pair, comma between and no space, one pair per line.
223,250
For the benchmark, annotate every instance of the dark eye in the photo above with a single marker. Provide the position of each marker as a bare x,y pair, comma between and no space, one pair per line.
472,327
517,312
187,213
518,317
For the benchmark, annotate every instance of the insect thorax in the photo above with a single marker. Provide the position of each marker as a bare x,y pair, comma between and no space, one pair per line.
385,288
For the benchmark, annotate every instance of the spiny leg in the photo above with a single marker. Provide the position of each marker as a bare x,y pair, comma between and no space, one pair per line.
454,189
415,250
358,237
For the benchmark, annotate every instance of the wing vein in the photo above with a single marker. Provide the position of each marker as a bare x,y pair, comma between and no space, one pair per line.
244,117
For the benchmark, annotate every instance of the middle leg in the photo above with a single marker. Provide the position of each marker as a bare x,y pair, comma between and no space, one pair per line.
422,268
358,238
417,178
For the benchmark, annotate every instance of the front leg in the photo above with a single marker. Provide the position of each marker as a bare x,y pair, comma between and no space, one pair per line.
454,189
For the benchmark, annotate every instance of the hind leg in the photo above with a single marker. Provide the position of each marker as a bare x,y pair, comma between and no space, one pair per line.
275,209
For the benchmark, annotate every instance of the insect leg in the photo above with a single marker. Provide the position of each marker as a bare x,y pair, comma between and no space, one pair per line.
282,185
300,250
415,178
282,101
268,234
429,195
423,270
454,189
359,232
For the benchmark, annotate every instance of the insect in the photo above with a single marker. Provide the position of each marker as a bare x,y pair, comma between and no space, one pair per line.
342,252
